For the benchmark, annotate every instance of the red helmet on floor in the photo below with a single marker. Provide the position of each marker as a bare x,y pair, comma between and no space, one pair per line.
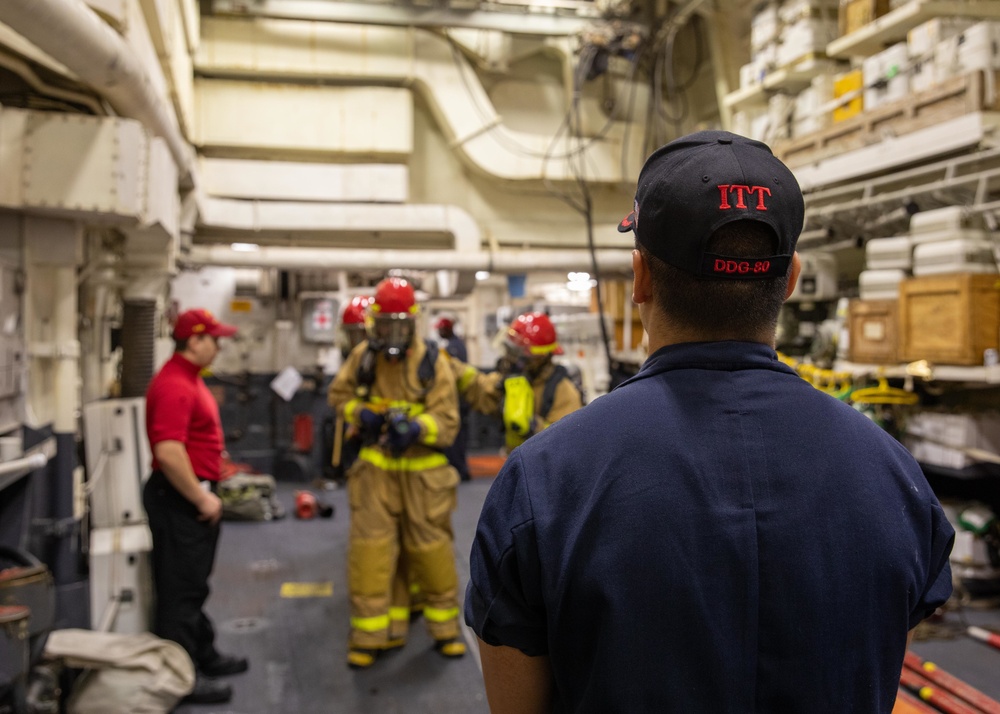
534,335
391,317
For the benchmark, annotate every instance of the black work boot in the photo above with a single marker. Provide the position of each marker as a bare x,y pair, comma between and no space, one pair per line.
223,665
208,691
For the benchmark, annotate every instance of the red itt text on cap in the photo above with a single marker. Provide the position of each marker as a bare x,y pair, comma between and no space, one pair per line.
739,189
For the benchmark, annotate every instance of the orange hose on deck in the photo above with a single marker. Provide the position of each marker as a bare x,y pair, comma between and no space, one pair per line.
938,697
906,703
953,684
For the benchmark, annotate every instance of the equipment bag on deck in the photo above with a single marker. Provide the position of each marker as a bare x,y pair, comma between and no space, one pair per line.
249,497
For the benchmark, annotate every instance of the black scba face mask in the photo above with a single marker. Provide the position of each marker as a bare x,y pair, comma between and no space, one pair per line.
352,335
391,334
522,362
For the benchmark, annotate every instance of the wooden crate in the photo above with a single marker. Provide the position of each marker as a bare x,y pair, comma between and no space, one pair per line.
614,293
950,99
874,331
949,319
637,333
855,14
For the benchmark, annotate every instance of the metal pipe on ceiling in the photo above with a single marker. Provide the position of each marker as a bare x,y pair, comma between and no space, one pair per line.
74,35
612,261
517,20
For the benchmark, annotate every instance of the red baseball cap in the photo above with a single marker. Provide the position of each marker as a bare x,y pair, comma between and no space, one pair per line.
200,322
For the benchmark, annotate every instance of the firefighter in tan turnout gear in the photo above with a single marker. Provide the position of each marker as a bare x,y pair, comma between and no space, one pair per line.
528,389
403,400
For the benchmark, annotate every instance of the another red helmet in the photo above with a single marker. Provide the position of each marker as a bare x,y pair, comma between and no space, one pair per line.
354,311
391,318
394,295
534,334
352,323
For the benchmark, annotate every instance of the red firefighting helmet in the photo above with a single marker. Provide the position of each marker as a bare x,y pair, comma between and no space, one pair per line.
354,311
394,295
352,323
534,334
391,317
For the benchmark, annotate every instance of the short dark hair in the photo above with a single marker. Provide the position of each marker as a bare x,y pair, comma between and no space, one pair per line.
180,344
722,309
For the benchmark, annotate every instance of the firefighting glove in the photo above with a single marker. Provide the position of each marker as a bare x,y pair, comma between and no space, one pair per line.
401,433
518,406
371,423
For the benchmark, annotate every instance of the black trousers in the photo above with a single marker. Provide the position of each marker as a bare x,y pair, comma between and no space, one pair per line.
183,557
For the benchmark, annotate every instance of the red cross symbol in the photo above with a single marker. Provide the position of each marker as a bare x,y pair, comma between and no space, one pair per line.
322,319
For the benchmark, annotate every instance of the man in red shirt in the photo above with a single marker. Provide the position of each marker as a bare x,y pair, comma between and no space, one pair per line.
185,435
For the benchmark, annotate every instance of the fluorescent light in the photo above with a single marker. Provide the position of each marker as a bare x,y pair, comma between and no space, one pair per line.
577,277
482,274
244,247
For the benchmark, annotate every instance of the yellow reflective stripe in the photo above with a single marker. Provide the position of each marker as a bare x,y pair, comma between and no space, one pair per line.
350,408
388,463
543,349
412,409
370,624
429,429
399,614
467,378
435,614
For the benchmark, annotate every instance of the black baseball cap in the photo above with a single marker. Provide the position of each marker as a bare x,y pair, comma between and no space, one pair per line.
690,187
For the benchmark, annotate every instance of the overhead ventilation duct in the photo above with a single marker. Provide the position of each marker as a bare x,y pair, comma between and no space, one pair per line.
283,217
278,49
74,35
243,220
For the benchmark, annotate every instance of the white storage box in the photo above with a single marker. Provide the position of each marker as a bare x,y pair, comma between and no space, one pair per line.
121,592
118,460
952,218
806,37
889,253
977,47
818,279
922,40
923,74
810,114
766,56
939,438
752,122
950,234
764,26
954,256
970,557
752,74
885,76
791,11
880,284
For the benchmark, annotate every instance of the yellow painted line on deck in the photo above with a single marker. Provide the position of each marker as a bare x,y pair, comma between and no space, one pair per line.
307,589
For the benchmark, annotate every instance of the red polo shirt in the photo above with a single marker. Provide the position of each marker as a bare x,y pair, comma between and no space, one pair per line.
179,407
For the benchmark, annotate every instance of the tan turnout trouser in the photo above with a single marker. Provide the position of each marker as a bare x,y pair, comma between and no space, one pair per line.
390,511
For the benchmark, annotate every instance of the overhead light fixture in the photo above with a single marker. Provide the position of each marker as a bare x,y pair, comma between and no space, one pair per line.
579,281
244,247
482,274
